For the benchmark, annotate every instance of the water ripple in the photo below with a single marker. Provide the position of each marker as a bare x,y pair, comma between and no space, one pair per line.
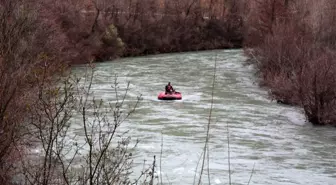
284,148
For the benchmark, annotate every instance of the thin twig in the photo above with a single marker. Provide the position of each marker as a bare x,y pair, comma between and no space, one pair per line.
199,160
161,157
228,142
153,170
206,147
251,174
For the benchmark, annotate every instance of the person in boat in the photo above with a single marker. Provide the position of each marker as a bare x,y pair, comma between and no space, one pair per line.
169,89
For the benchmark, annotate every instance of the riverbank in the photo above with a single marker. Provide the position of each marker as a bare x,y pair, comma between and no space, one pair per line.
294,52
166,29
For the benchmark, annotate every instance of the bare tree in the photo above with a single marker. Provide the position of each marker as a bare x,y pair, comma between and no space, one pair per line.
94,153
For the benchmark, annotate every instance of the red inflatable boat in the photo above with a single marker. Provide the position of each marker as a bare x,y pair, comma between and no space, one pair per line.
173,96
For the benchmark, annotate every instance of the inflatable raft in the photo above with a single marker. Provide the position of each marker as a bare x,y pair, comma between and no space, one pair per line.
173,96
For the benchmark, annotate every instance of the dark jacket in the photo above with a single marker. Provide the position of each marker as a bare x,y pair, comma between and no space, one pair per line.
169,88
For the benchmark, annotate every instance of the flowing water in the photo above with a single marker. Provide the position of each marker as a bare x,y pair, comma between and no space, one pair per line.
276,139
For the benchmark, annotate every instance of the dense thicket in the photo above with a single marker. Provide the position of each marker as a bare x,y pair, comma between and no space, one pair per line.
293,46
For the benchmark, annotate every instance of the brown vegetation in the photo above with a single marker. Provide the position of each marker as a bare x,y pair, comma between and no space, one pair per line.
293,46
20,61
38,41
152,26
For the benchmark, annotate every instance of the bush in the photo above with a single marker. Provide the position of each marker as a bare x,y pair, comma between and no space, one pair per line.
295,62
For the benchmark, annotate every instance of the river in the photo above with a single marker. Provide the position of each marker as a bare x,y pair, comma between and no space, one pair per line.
275,138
